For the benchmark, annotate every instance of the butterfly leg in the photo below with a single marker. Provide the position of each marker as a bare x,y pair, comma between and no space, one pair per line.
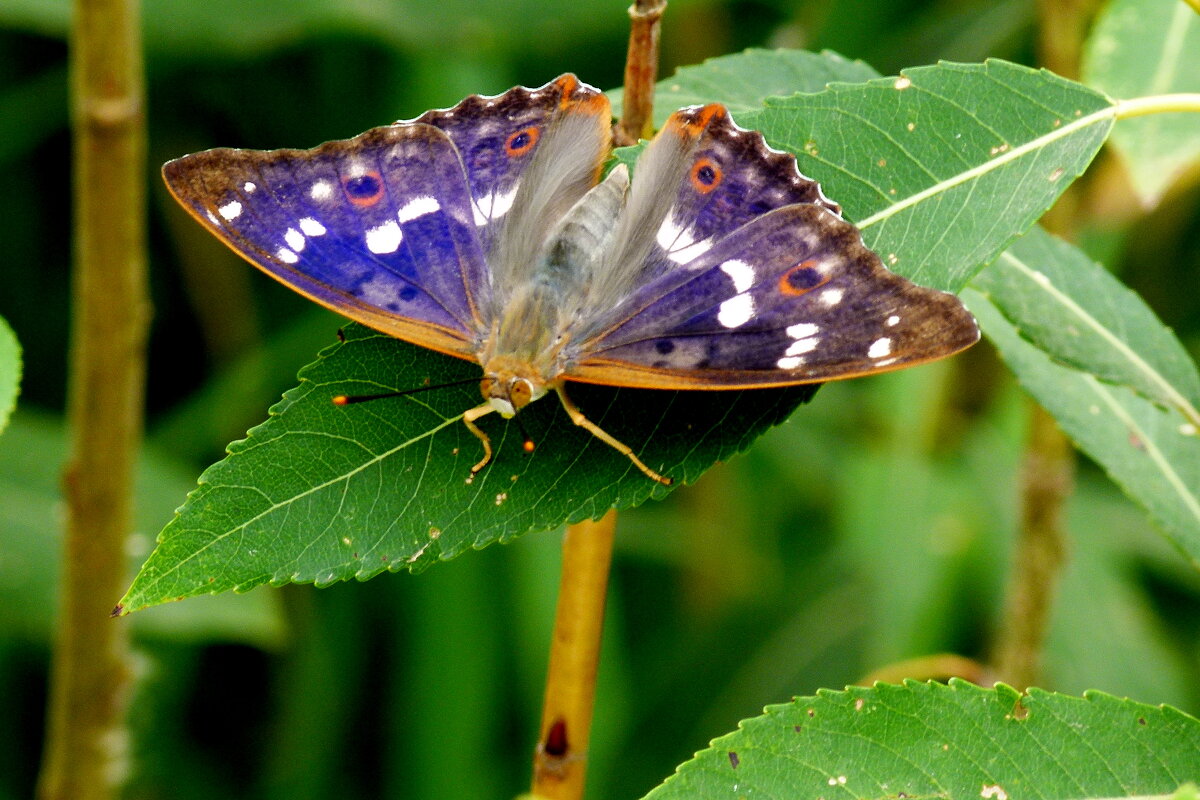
468,419
579,419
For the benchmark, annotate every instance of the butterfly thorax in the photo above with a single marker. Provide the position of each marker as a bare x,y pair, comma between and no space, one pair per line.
525,350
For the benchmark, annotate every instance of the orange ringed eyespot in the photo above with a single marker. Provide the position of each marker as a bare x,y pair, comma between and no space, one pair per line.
522,141
363,190
706,175
801,279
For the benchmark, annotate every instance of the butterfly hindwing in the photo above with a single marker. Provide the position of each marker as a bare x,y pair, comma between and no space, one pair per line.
379,227
789,295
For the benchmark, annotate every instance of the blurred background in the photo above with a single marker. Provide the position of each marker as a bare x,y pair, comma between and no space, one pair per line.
873,527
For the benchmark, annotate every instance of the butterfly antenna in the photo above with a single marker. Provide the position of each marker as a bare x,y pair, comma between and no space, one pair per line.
347,399
526,440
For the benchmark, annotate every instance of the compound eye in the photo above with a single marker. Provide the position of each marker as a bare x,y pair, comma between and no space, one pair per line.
520,392
487,387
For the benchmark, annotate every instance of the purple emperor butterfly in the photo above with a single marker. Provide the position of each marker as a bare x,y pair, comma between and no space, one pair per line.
484,232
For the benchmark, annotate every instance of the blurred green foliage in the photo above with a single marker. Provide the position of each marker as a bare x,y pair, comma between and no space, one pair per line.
874,526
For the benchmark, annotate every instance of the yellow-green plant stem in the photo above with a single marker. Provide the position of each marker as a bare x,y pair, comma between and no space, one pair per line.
1158,104
560,761
86,734
937,667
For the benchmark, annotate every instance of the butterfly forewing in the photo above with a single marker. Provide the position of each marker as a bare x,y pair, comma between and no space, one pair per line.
380,227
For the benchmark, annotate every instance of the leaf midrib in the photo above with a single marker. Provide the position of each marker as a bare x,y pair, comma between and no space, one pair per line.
288,501
990,165
1173,396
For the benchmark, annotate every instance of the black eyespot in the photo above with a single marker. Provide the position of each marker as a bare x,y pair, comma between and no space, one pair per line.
363,186
408,293
363,190
521,142
802,278
664,346
705,175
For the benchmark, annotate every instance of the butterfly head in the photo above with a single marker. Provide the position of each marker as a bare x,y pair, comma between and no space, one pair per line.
509,385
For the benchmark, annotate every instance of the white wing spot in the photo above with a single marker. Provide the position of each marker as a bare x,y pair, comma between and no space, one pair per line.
248,187
893,320
789,362
286,256
690,252
311,227
741,273
802,330
736,311
494,206
802,346
321,190
295,239
231,210
831,297
418,207
680,244
880,348
384,238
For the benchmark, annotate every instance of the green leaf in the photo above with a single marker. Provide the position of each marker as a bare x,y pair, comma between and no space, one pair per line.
321,493
1151,452
31,534
742,81
945,166
957,741
1149,47
1077,313
356,499
10,372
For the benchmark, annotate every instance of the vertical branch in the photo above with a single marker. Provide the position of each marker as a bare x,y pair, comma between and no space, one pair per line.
1046,483
1049,466
641,71
86,735
560,763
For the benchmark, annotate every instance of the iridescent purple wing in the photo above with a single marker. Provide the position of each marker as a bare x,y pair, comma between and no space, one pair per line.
722,296
498,137
379,228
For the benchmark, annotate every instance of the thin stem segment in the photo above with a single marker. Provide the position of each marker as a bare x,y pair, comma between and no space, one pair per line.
641,71
86,734
1047,483
560,763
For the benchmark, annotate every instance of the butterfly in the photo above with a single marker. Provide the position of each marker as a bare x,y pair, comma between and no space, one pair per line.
484,231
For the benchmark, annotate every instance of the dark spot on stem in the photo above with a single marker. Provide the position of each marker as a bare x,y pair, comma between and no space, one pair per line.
556,739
